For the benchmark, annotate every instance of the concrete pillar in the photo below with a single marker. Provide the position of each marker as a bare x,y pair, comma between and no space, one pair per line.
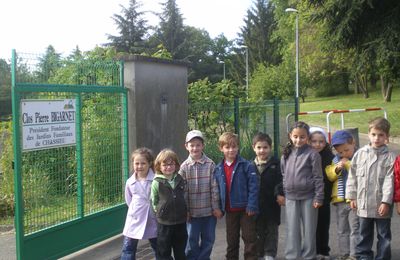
157,103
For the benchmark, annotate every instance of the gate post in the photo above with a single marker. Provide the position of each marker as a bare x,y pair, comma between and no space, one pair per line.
19,212
276,127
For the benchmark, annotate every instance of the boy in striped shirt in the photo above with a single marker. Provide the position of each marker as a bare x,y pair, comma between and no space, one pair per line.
202,198
337,172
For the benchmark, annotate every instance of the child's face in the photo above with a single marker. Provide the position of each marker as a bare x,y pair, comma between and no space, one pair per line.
377,137
345,150
168,168
299,137
195,148
317,141
230,151
262,150
140,165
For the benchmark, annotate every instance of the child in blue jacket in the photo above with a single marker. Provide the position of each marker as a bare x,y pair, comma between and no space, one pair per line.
238,186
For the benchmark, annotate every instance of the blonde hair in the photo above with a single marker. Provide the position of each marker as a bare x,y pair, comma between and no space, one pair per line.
166,155
146,153
379,123
228,138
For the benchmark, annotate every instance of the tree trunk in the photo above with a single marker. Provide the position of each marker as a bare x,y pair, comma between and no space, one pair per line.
373,81
363,84
386,89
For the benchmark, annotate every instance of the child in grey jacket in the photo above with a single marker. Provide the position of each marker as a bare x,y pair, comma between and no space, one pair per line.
304,191
370,189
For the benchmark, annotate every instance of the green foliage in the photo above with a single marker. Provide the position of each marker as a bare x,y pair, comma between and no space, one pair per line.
257,34
171,32
6,171
371,29
274,81
48,64
211,106
162,53
102,153
5,88
132,29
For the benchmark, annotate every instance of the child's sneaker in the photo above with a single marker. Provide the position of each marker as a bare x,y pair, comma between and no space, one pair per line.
345,257
267,257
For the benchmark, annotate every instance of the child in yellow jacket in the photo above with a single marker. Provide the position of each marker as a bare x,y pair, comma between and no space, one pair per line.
337,172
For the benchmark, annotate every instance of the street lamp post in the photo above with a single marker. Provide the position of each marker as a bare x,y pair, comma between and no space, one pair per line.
247,68
297,61
223,63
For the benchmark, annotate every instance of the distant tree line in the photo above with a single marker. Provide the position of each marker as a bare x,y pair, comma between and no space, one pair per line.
344,46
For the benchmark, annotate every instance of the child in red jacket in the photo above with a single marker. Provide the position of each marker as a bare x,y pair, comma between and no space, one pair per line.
396,198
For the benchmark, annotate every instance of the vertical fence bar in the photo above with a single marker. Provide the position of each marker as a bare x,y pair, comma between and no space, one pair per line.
125,136
19,209
276,127
236,116
79,157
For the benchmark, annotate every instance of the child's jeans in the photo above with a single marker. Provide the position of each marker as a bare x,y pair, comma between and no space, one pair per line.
364,247
348,231
267,236
171,238
204,228
130,246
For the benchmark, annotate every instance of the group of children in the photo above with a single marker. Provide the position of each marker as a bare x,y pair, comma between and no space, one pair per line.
176,207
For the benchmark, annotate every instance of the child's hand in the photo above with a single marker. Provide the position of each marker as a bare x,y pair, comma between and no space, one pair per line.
344,161
250,213
383,209
317,205
280,200
353,204
217,213
398,207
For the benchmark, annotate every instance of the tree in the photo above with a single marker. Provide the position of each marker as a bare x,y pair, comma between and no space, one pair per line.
132,29
171,30
49,63
372,29
257,34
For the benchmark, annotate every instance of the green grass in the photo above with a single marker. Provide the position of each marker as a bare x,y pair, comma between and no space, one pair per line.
353,101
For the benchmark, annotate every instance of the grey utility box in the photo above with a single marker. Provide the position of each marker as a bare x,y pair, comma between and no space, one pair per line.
157,103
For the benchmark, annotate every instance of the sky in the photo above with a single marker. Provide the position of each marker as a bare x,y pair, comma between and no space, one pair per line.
29,26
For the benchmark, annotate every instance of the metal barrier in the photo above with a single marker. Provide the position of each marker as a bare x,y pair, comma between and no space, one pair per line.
329,112
306,113
344,111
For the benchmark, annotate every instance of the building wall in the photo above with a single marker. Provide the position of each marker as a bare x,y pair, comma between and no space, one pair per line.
157,103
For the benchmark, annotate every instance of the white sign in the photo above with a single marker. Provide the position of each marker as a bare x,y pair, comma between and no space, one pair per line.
47,123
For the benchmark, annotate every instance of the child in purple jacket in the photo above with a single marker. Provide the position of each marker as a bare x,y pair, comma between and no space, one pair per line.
140,220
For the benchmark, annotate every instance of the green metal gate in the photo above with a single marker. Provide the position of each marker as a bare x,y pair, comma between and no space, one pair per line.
71,154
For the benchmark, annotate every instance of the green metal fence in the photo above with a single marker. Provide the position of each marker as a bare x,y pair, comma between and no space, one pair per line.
70,154
245,119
